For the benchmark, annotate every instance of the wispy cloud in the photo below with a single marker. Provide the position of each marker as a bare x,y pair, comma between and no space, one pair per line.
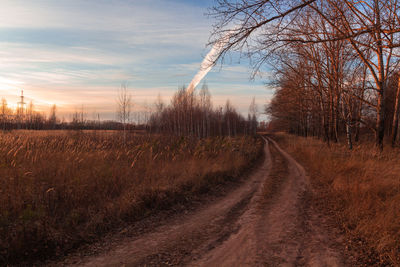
74,53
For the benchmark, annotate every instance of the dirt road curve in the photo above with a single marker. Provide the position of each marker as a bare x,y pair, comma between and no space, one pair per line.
254,225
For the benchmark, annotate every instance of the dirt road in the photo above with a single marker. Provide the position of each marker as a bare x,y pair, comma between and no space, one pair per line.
267,221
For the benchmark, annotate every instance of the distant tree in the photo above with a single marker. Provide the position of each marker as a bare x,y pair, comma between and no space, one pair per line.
53,117
252,117
5,112
206,108
29,114
124,105
75,120
228,114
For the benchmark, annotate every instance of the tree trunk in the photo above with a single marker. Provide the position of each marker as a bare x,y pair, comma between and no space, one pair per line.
395,124
348,134
380,121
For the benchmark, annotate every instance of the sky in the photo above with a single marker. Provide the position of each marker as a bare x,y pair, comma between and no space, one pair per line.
77,53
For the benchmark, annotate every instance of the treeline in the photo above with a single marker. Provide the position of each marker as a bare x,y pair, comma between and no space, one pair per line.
329,112
30,119
334,80
334,61
188,114
192,114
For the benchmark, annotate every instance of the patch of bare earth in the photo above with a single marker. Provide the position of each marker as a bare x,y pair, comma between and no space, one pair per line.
268,221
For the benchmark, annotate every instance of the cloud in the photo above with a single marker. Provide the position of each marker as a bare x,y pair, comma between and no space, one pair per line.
71,52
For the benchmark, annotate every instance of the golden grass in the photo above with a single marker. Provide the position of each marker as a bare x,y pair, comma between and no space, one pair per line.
363,186
58,189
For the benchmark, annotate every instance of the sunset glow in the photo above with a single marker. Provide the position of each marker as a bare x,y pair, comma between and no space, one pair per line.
66,53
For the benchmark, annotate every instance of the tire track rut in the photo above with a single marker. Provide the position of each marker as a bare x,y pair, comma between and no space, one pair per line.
267,221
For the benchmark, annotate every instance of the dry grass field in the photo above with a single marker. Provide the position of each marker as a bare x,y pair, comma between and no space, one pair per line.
362,187
59,189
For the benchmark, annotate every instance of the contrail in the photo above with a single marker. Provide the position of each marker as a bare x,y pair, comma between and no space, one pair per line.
208,62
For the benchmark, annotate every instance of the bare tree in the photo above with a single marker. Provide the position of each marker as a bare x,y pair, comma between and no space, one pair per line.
29,113
395,123
205,106
53,117
4,112
124,102
252,116
264,27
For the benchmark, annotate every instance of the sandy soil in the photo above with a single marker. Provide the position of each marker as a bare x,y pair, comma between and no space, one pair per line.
244,228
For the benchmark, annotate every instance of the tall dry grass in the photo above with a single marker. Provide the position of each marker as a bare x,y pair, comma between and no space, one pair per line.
363,187
58,189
